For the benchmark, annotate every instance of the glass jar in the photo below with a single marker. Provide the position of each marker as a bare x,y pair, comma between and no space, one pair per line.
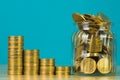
93,49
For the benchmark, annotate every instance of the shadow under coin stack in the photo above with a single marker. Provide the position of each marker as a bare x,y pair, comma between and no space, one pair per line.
15,55
63,70
47,66
31,62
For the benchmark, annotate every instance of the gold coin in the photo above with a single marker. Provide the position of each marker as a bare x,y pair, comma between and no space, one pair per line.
15,60
95,44
78,17
104,65
47,68
19,47
88,65
62,73
15,37
27,51
77,66
92,18
15,42
36,51
63,68
11,54
92,55
15,63
103,17
47,62
47,73
15,52
14,49
47,59
15,68
89,17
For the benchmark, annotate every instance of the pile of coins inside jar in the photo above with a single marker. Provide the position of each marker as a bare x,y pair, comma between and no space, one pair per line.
93,44
27,62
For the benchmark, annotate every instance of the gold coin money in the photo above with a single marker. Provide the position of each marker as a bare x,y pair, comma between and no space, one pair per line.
92,55
95,44
103,17
89,17
28,51
88,66
104,66
47,62
15,44
15,37
77,66
47,68
47,73
78,17
36,51
62,73
63,68
14,50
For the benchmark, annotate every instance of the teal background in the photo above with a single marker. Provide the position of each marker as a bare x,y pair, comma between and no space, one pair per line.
48,25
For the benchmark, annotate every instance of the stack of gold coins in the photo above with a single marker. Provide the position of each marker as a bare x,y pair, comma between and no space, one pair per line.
31,62
63,70
47,66
15,55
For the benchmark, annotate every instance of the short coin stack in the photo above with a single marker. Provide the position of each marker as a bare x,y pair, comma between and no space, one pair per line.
15,55
47,66
31,62
62,70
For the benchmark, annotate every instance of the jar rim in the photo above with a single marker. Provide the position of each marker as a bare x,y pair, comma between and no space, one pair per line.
87,25
88,22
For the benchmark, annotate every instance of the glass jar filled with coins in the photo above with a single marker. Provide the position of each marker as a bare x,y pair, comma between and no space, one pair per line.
93,45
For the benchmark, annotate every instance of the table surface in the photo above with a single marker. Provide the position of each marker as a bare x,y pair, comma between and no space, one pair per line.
4,76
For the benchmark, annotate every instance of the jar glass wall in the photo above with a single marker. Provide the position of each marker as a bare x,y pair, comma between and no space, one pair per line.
93,49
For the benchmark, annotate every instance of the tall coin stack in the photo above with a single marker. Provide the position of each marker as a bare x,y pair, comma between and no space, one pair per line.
31,62
15,55
62,70
47,66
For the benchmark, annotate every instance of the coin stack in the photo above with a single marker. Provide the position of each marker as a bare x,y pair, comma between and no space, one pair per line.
31,62
62,70
15,55
47,66
92,44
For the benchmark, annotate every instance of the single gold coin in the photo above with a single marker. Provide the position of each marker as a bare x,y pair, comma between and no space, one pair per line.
92,55
48,68
27,51
103,17
89,17
46,73
88,66
62,73
36,51
15,44
94,44
15,37
78,17
63,68
47,62
104,66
